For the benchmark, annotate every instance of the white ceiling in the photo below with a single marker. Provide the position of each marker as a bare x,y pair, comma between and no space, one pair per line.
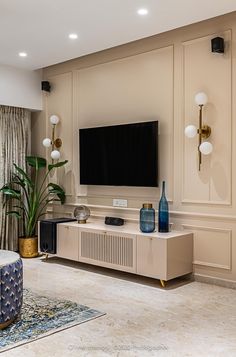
41,27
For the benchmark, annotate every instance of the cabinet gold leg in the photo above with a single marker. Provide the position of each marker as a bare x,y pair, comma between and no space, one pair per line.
45,255
162,283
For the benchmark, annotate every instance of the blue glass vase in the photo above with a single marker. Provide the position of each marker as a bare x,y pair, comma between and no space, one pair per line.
147,218
163,212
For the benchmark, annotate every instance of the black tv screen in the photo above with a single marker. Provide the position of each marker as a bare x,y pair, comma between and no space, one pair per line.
120,155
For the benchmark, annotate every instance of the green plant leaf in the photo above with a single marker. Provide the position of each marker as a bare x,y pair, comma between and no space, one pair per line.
17,182
17,179
37,162
57,190
58,164
14,214
32,197
19,207
25,176
8,191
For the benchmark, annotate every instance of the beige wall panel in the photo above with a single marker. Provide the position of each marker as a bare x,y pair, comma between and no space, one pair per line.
138,88
59,102
212,246
211,73
119,85
78,190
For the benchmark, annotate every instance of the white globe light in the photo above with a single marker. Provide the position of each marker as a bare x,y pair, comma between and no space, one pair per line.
54,119
55,154
47,142
206,148
190,131
201,98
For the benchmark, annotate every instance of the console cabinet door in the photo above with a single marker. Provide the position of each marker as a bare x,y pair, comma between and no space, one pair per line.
67,242
108,249
151,257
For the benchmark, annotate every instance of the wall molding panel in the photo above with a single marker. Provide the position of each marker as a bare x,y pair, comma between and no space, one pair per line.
156,79
60,102
207,237
132,89
180,215
213,184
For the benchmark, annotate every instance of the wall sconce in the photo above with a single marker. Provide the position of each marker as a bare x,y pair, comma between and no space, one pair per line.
204,131
54,143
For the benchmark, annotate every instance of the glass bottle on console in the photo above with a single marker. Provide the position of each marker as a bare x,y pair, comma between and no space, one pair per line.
147,218
163,212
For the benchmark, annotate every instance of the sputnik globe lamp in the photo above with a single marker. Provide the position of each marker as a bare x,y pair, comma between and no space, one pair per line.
54,143
203,131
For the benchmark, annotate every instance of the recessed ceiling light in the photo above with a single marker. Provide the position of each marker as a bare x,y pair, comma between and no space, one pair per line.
142,12
23,54
73,36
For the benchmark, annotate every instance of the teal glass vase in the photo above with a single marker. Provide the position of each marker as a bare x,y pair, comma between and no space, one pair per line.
163,212
147,218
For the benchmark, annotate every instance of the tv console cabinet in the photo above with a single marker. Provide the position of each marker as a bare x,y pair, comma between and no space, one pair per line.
162,256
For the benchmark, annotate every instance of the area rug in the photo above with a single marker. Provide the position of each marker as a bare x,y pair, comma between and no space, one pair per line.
42,316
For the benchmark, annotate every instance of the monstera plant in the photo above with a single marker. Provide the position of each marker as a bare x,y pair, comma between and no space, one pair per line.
27,196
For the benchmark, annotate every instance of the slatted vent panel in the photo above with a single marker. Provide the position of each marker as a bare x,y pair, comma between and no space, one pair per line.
107,248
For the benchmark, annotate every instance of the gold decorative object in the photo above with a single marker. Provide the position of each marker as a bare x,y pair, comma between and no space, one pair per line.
204,131
28,247
162,283
55,143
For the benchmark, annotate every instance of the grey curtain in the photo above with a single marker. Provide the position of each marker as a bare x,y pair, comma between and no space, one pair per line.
14,146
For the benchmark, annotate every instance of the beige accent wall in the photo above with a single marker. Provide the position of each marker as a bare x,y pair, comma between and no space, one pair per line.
157,78
137,88
211,73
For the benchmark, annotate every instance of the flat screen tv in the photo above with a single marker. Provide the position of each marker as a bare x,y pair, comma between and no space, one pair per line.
120,155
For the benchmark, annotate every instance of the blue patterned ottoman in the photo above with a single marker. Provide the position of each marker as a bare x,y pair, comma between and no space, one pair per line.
11,287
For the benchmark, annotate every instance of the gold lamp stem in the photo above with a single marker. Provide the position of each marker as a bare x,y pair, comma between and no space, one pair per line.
204,131
200,137
55,142
53,136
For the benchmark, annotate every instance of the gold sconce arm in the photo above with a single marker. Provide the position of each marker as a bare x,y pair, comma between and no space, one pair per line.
203,131
58,143
55,143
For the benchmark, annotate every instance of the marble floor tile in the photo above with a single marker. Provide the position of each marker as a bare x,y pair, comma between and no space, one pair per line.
187,318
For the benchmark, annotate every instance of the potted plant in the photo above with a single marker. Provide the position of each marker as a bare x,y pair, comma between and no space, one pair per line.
28,197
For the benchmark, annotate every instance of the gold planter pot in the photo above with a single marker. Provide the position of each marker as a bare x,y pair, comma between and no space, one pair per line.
28,247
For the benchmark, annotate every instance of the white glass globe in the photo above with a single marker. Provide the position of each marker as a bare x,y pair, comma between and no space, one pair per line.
81,213
206,148
54,119
55,154
47,142
190,131
201,98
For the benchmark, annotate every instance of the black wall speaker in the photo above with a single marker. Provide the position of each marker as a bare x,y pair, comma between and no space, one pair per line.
45,86
48,234
217,45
